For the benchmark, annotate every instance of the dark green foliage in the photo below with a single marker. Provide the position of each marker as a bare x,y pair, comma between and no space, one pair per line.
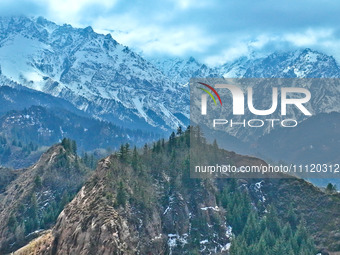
14,150
29,148
131,176
89,133
121,195
5,152
33,218
179,130
12,223
64,199
32,221
292,217
69,145
331,188
172,141
237,204
124,152
89,160
55,184
37,182
262,235
6,176
135,159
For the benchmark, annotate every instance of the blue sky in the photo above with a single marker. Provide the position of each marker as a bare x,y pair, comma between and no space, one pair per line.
212,31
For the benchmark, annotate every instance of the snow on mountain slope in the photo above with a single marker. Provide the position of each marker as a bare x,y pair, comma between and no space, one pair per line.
109,81
181,70
92,71
304,63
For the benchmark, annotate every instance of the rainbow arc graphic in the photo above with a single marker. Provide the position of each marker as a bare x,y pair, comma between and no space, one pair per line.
209,93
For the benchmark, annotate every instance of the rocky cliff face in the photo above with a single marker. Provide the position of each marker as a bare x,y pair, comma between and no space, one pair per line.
143,204
96,221
95,225
33,199
146,203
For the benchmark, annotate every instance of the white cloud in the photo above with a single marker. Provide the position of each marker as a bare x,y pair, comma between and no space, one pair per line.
72,11
155,39
211,31
309,37
318,39
229,54
185,4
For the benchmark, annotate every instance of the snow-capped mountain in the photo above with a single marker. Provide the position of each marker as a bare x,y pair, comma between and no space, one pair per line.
304,63
92,71
181,70
109,81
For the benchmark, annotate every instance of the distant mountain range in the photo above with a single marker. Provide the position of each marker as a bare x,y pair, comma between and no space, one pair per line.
59,81
93,76
304,63
92,71
316,140
181,70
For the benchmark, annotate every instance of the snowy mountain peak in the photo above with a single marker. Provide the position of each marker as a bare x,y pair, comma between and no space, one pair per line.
111,82
304,63
181,70
92,71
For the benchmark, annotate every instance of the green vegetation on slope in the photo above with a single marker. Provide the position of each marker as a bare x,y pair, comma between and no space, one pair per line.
35,197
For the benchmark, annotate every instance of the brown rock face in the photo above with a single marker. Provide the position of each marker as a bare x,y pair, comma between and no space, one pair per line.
95,223
34,193
148,204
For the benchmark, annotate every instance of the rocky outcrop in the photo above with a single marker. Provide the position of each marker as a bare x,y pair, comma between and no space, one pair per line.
147,204
34,198
94,223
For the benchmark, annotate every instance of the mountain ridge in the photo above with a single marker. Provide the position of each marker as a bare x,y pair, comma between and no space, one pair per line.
177,214
33,199
92,71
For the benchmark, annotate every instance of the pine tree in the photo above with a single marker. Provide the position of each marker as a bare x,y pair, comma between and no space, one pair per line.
64,200
179,130
172,141
73,147
261,247
145,149
134,161
287,232
273,223
122,153
121,195
33,222
301,233
331,188
251,229
37,182
292,217
12,223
